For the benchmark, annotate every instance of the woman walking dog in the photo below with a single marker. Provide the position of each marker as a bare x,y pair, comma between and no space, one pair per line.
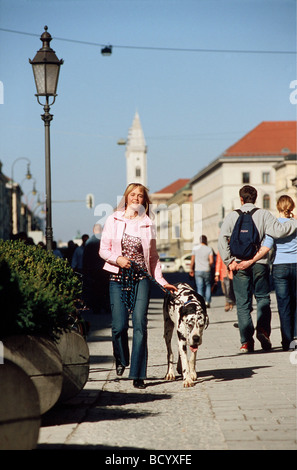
129,237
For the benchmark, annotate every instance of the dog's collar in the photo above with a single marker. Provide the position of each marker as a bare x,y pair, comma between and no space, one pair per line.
188,302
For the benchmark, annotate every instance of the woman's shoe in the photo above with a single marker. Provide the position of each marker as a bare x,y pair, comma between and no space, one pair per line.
139,383
120,369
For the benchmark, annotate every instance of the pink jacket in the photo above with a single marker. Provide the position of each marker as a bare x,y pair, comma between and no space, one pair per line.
111,245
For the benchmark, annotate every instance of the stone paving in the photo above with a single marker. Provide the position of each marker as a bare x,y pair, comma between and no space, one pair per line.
239,402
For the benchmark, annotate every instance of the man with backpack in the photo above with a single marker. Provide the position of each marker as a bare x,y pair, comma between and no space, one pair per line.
241,236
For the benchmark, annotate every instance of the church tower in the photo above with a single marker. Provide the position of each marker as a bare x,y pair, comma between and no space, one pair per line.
136,149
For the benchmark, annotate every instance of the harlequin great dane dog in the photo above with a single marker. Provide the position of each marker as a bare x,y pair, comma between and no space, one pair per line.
186,311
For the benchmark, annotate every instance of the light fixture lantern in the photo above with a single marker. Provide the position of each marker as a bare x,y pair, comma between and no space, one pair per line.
106,51
46,67
28,174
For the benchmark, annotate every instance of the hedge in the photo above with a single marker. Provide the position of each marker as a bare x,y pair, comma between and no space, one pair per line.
37,291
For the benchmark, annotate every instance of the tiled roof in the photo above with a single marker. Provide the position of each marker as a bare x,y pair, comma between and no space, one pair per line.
173,187
268,138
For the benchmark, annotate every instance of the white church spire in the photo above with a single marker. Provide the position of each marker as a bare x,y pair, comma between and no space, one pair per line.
136,150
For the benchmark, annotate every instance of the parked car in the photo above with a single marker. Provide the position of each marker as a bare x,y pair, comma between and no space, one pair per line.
168,264
184,263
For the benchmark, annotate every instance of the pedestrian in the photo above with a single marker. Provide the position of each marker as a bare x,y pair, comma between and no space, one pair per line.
77,258
56,250
201,265
284,272
95,278
225,276
71,247
129,236
254,279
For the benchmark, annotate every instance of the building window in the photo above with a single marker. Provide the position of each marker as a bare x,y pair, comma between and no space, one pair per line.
265,177
245,177
266,201
138,172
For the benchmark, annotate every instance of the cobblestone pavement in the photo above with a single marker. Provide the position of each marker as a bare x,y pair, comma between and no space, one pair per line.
240,401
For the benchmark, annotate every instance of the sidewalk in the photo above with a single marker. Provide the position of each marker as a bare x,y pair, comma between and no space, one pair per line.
240,401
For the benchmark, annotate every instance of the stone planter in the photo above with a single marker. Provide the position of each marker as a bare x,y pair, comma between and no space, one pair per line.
19,409
75,357
40,359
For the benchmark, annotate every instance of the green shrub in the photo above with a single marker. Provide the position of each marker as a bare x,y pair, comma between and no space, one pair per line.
37,291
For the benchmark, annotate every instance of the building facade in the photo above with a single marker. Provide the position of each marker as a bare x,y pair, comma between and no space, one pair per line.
172,210
260,159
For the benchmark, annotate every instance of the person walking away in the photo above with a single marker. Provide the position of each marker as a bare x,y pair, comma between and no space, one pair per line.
284,272
201,263
95,278
77,259
225,276
255,278
128,237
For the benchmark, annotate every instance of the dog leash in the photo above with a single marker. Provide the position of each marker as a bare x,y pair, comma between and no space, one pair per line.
128,283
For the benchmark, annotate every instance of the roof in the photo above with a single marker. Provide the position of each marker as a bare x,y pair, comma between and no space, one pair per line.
173,187
268,138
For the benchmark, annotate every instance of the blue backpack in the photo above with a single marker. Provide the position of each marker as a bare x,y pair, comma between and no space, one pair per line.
245,238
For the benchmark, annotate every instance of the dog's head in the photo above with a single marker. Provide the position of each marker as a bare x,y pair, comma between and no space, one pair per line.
192,315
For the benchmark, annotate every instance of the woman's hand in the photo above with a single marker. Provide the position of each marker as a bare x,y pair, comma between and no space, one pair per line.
170,287
123,262
244,264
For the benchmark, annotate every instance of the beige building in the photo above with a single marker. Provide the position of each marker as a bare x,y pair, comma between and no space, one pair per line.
172,209
263,158
285,177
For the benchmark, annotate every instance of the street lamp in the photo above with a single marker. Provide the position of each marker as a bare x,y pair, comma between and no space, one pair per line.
13,196
46,67
28,174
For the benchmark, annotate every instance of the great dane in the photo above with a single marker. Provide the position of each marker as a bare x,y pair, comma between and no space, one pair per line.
186,311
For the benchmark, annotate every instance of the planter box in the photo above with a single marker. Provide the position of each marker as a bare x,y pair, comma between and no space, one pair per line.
19,409
75,357
40,359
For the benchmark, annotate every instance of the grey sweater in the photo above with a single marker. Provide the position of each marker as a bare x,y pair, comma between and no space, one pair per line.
266,224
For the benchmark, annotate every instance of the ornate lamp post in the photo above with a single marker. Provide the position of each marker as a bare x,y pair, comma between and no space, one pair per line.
46,67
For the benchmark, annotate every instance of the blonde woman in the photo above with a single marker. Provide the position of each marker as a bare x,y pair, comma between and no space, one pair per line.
129,236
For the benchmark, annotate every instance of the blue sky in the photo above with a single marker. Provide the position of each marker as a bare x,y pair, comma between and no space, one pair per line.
192,105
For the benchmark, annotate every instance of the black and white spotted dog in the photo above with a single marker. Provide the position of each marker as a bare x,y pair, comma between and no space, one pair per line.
185,310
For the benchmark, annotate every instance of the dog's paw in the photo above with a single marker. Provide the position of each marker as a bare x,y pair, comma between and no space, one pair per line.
170,376
194,376
188,382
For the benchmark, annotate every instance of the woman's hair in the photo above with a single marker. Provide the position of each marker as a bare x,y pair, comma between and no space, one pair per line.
286,205
146,200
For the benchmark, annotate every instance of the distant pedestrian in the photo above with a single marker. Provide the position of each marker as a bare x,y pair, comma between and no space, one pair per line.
95,278
255,278
225,276
201,268
284,272
70,250
129,235
56,250
77,258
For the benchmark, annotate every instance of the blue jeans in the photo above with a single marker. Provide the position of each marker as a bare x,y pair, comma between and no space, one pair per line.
284,278
254,280
120,325
203,284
